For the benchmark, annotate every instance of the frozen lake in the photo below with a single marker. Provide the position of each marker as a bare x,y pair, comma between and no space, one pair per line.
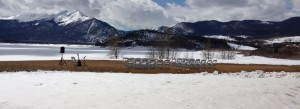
26,52
16,52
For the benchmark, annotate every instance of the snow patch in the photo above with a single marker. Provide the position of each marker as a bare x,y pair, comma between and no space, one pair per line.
266,22
240,47
92,24
7,18
283,39
262,74
220,37
67,17
243,36
63,18
29,17
183,28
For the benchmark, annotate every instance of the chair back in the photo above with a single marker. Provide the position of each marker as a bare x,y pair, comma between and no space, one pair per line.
73,59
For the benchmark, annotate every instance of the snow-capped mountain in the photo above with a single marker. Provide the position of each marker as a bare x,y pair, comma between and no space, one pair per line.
76,27
63,18
64,27
28,17
67,17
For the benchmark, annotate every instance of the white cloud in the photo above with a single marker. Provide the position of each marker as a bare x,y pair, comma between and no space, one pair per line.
295,8
137,14
216,3
226,10
296,5
129,14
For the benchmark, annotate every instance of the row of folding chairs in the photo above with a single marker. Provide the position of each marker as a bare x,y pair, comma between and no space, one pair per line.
147,63
181,62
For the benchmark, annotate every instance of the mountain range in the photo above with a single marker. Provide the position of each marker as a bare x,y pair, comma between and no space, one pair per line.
64,27
75,27
253,28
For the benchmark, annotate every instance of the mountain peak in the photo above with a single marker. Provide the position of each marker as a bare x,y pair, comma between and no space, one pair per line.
67,17
68,12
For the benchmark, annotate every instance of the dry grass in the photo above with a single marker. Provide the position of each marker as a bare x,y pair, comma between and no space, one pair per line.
117,66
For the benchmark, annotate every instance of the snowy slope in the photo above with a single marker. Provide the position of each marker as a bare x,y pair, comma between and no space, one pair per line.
182,28
76,90
67,17
29,17
63,18
283,39
240,47
227,38
242,36
6,18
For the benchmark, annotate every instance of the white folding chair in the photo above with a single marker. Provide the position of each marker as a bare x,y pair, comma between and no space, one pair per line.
74,60
197,63
214,63
144,63
138,63
203,64
152,63
167,63
210,63
159,63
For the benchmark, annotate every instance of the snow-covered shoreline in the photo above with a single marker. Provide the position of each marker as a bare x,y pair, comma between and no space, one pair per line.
90,90
242,74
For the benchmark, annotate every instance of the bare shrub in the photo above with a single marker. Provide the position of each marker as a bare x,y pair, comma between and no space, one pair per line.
161,46
174,53
208,54
152,53
227,54
186,55
162,53
114,46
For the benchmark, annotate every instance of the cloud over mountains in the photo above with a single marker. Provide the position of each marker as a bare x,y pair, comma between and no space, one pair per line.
137,14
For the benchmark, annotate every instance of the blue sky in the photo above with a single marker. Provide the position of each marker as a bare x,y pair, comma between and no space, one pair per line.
289,4
164,2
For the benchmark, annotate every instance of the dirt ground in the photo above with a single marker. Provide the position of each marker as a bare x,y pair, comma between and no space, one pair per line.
118,66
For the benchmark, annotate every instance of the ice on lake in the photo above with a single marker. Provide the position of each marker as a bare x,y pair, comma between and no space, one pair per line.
24,52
